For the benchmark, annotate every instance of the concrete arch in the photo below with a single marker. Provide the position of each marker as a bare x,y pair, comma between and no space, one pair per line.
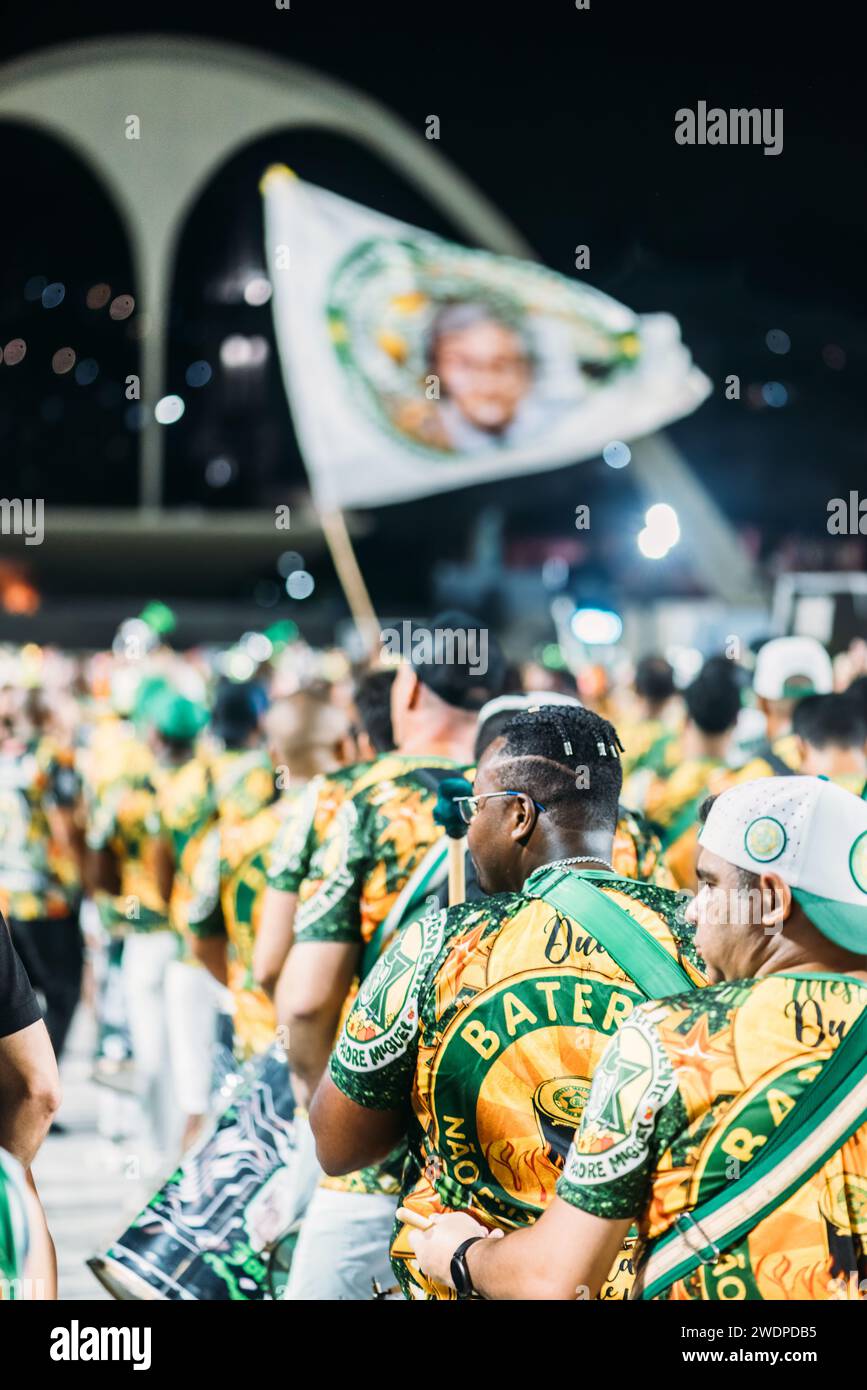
198,103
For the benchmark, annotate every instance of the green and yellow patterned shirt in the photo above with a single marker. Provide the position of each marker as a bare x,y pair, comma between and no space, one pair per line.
229,882
374,840
123,817
688,1092
488,1021
294,861
231,786
39,878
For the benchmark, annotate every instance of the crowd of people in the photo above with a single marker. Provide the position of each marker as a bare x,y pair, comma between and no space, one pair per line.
569,975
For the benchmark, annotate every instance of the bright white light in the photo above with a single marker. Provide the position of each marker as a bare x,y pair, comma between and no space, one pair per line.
168,410
651,545
300,584
257,645
237,665
597,627
257,291
258,349
238,351
661,531
686,662
235,351
661,520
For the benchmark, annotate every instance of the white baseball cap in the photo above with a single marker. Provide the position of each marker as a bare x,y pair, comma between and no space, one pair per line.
518,702
783,659
810,832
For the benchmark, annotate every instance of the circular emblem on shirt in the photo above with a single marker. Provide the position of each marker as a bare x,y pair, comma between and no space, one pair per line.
385,1013
844,1203
558,1105
858,861
765,839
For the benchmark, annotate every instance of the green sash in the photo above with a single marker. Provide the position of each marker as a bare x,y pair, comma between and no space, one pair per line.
639,955
426,879
827,1113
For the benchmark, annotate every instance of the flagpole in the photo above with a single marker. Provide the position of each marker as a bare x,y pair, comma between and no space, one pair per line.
340,545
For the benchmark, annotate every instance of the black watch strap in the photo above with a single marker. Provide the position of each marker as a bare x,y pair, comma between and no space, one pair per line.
458,1269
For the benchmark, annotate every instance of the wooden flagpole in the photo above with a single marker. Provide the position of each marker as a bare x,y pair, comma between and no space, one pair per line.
351,579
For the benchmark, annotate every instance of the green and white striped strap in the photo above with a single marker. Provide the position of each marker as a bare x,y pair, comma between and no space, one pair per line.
640,956
828,1113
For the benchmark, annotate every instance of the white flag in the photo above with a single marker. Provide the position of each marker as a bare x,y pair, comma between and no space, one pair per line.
414,365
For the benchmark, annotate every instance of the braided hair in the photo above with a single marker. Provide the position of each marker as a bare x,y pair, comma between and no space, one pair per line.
567,759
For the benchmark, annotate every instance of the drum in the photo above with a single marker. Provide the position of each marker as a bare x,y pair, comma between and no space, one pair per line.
224,1224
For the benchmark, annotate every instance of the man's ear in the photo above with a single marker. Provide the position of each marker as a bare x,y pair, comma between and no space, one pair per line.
346,750
523,814
776,903
413,690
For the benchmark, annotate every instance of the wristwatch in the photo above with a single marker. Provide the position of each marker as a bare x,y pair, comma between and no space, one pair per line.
460,1275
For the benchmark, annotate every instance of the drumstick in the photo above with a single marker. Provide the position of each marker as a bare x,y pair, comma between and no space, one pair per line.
412,1218
457,871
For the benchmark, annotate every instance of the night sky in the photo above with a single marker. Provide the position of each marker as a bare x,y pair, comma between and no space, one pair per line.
565,120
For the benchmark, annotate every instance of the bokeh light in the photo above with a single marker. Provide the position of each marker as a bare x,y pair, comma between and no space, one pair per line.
617,454
257,291
63,360
86,371
775,394
288,563
300,584
169,410
198,373
53,295
14,352
597,627
121,306
778,341
219,472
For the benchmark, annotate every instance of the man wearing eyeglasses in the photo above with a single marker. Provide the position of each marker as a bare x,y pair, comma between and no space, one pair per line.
479,1030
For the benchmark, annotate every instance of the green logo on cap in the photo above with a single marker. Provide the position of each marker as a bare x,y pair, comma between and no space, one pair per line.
765,839
858,861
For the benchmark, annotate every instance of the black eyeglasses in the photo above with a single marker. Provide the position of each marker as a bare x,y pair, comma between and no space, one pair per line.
468,806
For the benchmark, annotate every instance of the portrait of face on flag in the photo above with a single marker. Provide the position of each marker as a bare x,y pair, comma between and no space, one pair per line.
414,365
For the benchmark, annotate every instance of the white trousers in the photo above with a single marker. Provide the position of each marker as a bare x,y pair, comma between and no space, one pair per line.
343,1247
193,999
146,958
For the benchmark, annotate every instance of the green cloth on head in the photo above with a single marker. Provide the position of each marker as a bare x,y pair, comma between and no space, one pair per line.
176,717
150,689
445,811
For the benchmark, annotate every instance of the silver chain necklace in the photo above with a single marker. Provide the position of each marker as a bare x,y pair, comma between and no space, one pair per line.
579,859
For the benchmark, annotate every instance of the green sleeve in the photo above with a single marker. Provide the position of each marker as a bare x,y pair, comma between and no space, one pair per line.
292,850
610,1164
332,911
13,1221
205,913
374,1060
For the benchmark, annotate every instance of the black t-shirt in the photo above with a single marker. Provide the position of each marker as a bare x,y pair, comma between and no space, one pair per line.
18,1006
